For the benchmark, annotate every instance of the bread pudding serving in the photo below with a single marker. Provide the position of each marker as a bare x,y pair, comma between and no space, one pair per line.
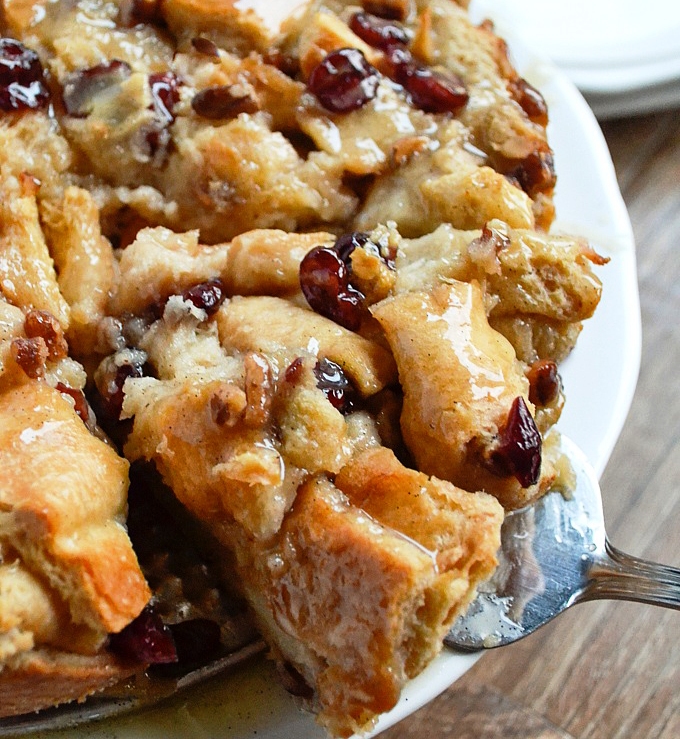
295,293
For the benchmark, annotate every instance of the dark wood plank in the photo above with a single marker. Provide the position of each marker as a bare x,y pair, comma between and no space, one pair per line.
474,711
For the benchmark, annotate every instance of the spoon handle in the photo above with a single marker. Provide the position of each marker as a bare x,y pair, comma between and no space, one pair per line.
621,576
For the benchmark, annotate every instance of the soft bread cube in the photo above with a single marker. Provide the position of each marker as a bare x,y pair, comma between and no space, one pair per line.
27,275
84,261
45,677
62,508
278,327
357,599
460,378
11,327
160,263
461,528
538,288
443,183
230,26
218,470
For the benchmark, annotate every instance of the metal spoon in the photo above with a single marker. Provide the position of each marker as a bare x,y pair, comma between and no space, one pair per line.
553,555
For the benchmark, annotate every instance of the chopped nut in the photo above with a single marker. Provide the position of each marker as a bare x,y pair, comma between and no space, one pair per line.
405,149
41,324
258,390
227,405
31,355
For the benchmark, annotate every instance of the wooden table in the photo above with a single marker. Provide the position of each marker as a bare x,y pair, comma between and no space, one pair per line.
607,670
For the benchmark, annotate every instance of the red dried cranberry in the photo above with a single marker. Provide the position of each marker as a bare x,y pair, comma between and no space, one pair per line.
197,640
164,88
165,94
22,79
335,385
344,81
324,279
80,404
207,296
81,88
378,32
222,102
536,173
530,100
518,451
545,383
146,639
429,90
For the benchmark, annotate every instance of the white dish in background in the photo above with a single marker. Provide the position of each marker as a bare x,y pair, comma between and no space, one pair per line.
599,379
622,54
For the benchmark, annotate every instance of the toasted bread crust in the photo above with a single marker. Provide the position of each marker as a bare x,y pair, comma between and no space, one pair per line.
45,677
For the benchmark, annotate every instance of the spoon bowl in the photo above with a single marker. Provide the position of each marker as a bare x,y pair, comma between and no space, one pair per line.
554,554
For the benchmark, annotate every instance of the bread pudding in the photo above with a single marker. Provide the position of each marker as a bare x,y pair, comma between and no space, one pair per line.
300,283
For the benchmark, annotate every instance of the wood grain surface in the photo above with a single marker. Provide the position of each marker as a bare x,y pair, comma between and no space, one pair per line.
607,670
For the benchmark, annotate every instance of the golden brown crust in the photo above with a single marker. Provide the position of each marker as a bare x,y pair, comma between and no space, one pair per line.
47,677
63,505
453,413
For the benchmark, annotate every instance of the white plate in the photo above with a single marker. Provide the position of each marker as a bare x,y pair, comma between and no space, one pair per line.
599,379
604,46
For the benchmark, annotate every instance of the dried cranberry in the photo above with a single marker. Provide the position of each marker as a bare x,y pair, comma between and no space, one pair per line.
146,639
324,279
205,46
165,94
518,451
222,102
536,173
22,79
335,385
207,296
164,88
80,404
82,88
530,100
378,32
344,81
545,383
429,90
197,640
